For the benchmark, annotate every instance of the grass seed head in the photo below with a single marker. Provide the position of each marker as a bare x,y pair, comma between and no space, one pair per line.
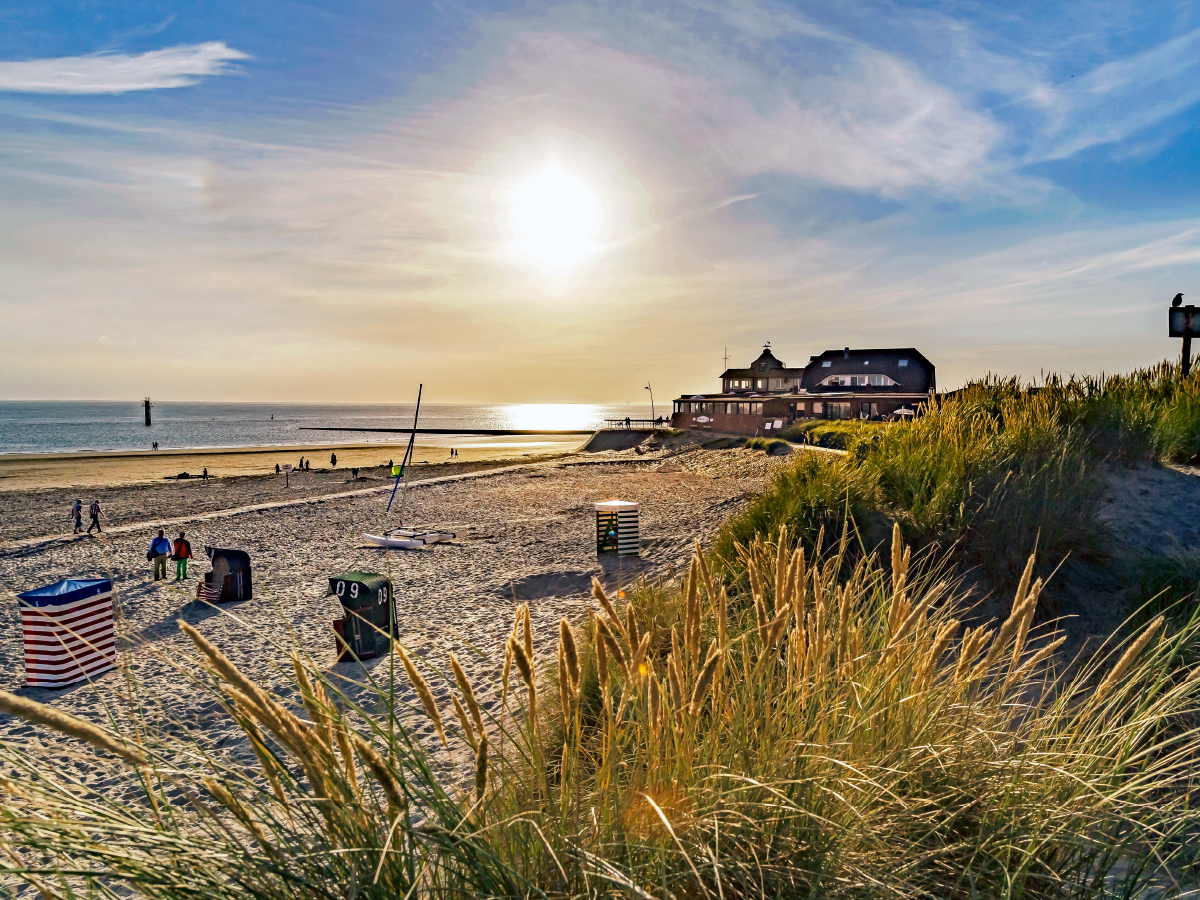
423,693
566,639
468,692
40,714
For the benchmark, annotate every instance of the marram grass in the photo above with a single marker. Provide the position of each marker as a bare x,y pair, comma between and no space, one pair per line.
819,735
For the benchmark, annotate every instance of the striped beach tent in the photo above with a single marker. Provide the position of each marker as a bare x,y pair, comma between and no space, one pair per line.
617,528
68,631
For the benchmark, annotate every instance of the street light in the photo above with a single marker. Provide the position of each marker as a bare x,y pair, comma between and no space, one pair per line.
651,390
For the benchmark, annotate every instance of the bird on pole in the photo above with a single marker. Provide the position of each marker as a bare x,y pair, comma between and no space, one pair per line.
1178,299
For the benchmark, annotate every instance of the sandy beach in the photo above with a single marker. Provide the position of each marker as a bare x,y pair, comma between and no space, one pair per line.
23,472
525,532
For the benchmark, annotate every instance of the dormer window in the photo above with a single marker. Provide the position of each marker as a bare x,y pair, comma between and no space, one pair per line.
826,364
762,366
904,362
858,381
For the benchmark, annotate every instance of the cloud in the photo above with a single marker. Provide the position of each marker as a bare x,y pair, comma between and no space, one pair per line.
1120,98
113,73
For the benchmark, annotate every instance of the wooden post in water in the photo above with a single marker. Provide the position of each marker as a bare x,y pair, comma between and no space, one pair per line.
147,405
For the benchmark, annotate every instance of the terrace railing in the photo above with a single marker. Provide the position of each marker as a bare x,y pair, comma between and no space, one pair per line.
661,422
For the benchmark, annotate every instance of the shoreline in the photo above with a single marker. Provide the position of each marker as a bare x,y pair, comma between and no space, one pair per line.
102,469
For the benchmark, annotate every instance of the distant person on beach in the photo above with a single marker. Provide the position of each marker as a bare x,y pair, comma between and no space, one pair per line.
77,515
183,552
94,511
627,421
333,459
277,469
160,547
205,475
154,445
308,465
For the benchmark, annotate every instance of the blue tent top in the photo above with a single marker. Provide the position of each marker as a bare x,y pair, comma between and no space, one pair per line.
66,591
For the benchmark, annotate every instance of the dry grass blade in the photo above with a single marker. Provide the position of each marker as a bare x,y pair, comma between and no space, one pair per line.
383,776
423,693
464,723
705,679
566,638
39,714
602,599
1127,658
468,692
527,631
601,657
481,769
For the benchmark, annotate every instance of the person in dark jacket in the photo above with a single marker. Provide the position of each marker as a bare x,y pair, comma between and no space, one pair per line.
333,459
94,511
183,552
160,547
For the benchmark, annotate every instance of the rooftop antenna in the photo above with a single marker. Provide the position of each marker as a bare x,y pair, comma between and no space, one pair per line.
727,357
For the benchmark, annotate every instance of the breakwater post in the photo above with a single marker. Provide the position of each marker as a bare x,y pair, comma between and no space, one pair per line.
147,405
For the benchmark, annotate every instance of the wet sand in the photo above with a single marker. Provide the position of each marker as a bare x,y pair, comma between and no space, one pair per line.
23,472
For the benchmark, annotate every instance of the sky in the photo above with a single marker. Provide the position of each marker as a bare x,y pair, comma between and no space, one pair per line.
560,202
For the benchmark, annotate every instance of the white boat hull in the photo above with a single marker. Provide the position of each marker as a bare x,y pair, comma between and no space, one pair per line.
394,543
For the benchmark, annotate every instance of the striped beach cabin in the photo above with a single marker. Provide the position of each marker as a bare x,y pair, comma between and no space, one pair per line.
68,632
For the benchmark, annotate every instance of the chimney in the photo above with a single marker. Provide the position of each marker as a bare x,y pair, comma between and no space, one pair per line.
846,353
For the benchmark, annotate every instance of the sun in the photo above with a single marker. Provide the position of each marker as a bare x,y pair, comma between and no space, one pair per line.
556,219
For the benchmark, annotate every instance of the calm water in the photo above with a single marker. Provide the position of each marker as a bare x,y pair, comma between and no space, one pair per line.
56,427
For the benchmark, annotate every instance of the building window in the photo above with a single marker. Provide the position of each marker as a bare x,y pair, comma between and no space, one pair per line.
826,364
858,381
760,384
839,411
818,409
904,362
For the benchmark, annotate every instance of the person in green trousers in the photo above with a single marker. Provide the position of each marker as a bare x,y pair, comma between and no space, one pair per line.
183,552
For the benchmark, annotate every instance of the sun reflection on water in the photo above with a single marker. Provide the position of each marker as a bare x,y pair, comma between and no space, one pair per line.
552,416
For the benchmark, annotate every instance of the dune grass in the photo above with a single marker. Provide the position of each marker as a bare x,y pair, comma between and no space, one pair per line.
784,719
813,735
998,470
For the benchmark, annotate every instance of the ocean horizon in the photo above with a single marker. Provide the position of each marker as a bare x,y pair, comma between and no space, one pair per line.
71,426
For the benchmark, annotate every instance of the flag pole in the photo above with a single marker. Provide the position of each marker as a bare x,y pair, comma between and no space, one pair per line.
407,455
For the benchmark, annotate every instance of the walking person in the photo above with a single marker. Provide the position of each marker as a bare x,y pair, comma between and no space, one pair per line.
183,552
333,459
94,511
160,547
77,515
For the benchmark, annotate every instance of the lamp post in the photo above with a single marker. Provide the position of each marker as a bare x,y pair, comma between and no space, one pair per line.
651,390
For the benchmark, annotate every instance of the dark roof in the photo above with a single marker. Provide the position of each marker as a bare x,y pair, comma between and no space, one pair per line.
766,364
918,376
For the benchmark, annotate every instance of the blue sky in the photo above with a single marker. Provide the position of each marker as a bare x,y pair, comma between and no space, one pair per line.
316,201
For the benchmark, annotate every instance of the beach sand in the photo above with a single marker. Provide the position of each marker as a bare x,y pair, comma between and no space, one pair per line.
23,472
525,533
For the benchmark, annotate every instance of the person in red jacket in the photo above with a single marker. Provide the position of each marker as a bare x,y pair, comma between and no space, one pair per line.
183,552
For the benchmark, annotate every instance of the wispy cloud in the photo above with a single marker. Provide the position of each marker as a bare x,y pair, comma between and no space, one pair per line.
114,73
1121,98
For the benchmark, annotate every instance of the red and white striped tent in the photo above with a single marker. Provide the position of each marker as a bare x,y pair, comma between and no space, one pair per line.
69,634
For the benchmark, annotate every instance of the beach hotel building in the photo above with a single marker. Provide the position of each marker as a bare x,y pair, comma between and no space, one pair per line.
838,384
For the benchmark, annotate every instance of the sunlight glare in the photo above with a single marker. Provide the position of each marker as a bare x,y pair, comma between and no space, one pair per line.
556,220
533,416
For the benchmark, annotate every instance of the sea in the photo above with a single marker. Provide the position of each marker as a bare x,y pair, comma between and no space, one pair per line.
64,427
